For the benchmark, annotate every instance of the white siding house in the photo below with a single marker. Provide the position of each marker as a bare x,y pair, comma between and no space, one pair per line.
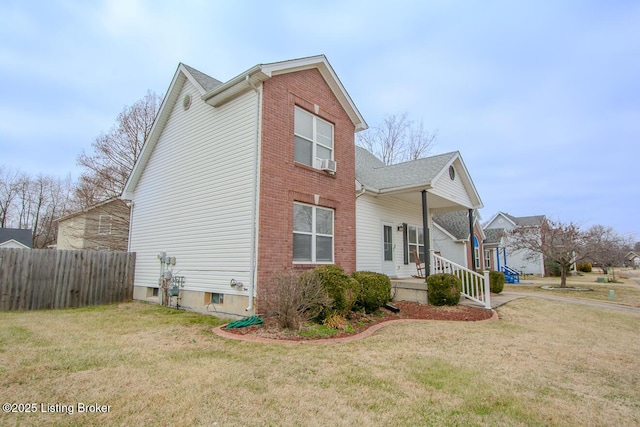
520,260
196,200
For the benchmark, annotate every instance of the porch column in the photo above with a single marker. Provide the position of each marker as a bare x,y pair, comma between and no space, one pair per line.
427,238
471,243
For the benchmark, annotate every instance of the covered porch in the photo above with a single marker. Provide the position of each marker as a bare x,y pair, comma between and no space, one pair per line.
399,200
475,287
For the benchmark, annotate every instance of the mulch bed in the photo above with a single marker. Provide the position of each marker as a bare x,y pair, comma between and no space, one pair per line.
362,322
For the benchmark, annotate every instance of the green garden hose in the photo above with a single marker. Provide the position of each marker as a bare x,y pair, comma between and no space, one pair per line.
247,321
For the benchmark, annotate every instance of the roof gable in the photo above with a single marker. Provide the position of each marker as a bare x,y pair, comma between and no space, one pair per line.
19,235
216,93
255,75
515,221
420,174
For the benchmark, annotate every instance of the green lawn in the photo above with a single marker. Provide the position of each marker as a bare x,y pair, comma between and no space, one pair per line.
542,363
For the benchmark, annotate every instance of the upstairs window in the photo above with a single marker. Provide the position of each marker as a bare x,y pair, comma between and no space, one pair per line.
104,224
313,138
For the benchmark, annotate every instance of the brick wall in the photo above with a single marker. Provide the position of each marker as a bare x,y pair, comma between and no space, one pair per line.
282,181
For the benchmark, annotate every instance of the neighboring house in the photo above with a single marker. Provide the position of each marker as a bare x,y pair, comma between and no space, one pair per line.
104,226
396,203
632,259
242,179
18,238
501,256
494,246
451,239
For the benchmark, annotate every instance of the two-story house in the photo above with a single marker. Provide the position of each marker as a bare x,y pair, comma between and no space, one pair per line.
104,226
245,178
505,259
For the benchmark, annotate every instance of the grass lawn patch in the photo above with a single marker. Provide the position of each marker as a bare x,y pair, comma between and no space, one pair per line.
543,363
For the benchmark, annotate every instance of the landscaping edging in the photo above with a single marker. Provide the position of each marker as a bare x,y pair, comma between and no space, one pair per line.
219,331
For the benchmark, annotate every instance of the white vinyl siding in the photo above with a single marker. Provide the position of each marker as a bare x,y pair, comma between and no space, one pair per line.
452,189
194,199
518,260
448,247
371,213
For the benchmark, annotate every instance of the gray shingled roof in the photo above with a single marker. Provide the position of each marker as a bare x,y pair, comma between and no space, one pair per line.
208,83
493,235
526,221
18,234
455,222
373,173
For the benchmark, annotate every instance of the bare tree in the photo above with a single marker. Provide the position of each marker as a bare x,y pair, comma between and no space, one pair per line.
607,248
558,242
8,192
397,139
33,203
114,154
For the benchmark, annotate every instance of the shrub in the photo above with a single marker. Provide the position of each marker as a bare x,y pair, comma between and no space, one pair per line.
585,267
295,299
443,289
342,289
375,290
496,281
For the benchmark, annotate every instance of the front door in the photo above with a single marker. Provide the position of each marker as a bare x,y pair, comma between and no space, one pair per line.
388,266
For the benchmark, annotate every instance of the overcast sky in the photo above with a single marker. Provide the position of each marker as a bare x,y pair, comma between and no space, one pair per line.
542,98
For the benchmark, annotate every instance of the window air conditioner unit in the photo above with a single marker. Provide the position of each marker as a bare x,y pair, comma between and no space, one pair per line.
328,165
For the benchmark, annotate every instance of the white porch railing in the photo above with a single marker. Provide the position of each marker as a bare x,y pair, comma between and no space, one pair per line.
474,286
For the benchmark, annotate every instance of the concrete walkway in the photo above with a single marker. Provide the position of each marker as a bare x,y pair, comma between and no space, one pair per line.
506,296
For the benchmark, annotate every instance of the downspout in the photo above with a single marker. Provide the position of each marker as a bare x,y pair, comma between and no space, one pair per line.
130,205
254,215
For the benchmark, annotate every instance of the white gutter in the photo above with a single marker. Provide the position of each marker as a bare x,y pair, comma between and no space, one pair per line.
254,215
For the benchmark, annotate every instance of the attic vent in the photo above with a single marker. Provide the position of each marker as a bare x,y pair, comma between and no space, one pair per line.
452,172
186,102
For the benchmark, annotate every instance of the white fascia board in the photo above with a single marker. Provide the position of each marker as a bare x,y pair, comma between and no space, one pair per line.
262,72
171,97
406,188
6,243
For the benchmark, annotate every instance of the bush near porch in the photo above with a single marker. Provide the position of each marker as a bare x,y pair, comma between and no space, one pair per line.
443,289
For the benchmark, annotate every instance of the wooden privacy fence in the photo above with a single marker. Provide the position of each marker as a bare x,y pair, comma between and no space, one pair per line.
32,279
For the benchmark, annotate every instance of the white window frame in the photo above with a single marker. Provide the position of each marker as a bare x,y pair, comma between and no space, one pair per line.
314,234
102,227
314,141
487,259
417,243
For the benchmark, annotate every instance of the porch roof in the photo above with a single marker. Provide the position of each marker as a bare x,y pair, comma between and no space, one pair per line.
375,175
406,180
